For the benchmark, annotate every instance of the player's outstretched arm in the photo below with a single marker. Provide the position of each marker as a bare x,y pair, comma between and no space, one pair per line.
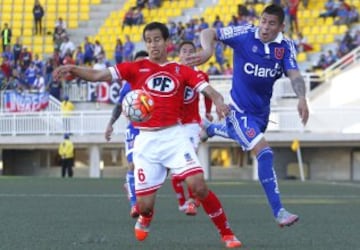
207,39
298,84
221,108
114,117
85,73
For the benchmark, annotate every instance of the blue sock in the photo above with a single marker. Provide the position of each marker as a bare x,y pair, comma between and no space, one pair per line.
268,180
217,129
130,182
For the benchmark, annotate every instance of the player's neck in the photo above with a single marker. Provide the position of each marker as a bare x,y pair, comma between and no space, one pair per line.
159,61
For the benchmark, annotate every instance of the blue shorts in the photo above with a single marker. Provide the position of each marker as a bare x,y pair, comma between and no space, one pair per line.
130,136
245,128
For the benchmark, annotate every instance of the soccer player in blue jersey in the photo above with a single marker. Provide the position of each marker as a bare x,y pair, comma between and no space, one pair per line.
261,55
130,135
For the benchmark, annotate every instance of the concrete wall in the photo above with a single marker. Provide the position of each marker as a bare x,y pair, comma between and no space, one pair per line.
321,163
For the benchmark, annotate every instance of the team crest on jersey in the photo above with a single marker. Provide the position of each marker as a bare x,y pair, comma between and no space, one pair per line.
250,132
188,158
162,84
254,49
177,70
279,53
189,95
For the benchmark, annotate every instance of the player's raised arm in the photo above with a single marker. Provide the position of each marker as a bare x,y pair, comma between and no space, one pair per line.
208,40
221,108
298,84
85,73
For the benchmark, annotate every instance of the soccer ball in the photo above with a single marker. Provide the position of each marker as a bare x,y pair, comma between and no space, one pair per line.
138,105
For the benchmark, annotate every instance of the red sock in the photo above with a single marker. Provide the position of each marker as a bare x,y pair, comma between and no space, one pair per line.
179,190
214,209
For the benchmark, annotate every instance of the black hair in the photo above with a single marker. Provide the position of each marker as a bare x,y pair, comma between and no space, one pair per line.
187,42
276,10
157,25
141,53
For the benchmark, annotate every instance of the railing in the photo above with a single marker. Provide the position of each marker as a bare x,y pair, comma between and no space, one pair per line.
94,122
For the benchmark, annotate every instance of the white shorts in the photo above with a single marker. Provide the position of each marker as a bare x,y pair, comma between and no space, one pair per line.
193,132
156,152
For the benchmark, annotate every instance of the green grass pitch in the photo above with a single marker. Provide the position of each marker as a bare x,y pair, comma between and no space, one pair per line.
65,214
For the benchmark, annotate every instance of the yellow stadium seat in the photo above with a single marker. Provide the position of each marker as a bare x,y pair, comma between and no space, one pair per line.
73,24
84,16
315,30
73,2
26,40
50,9
18,8
16,32
342,29
301,57
38,40
95,1
84,2
27,32
62,8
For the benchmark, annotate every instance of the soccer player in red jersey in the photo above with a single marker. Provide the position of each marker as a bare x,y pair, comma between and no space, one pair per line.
191,120
161,144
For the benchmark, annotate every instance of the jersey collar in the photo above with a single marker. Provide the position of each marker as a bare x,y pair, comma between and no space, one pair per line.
278,39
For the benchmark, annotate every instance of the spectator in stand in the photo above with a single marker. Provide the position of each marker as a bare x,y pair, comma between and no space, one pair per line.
331,57
49,68
353,14
98,50
322,63
217,23
138,17
234,21
100,62
228,70
173,31
252,15
55,89
39,64
119,51
293,9
189,33
6,34
9,54
342,15
129,47
67,107
79,56
212,70
67,46
25,59
30,75
60,23
330,9
203,24
128,18
6,69
88,51
17,48
38,13
58,36
39,83
356,40
301,43
152,4
56,58
141,3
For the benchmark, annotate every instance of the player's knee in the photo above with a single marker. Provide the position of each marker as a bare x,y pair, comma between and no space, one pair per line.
199,189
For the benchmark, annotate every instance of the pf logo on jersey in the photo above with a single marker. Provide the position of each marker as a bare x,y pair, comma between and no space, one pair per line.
189,95
162,84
